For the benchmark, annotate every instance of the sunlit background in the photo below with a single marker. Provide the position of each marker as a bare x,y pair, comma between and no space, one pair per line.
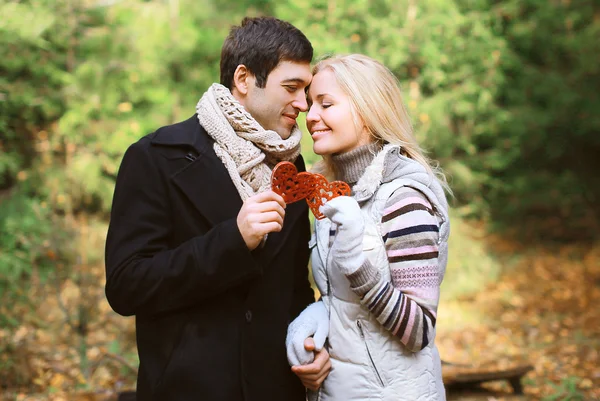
504,94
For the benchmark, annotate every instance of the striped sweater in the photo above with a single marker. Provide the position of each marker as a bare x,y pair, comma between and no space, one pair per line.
406,305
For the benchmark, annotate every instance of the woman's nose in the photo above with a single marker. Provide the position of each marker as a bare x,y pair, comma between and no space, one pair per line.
312,115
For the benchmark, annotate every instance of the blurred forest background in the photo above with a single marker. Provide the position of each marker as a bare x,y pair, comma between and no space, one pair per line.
505,94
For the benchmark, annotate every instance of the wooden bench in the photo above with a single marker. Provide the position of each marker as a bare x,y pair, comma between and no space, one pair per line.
460,377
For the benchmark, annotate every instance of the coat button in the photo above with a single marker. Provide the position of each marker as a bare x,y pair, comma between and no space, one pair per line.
248,316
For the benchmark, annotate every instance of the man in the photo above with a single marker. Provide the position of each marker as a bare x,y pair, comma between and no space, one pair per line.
210,261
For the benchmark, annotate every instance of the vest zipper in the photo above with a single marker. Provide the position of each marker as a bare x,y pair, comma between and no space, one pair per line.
326,264
362,336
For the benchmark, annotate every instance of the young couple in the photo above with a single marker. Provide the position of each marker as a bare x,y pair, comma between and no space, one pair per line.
213,264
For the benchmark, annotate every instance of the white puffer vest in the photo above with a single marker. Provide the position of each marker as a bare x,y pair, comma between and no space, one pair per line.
368,362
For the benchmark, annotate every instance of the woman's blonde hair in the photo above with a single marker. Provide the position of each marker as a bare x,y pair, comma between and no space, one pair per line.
377,104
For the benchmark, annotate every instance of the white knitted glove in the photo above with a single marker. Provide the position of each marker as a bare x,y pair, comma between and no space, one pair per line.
313,321
346,251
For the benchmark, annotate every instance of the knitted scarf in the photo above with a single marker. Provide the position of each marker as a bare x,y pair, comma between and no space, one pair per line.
248,151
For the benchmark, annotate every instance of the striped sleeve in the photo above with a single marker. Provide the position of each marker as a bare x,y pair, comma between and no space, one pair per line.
406,305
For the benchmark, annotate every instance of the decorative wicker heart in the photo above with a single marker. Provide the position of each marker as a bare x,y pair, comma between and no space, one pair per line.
291,185
294,186
325,191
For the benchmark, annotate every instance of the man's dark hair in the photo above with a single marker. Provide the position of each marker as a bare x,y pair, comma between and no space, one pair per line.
260,44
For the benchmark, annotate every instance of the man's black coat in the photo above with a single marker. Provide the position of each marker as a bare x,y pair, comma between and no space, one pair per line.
211,316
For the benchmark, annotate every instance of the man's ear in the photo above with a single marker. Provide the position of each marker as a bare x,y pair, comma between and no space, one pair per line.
242,79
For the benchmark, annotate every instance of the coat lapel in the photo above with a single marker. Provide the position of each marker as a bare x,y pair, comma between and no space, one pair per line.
204,180
207,184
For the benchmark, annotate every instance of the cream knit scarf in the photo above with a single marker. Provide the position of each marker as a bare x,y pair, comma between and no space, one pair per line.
248,151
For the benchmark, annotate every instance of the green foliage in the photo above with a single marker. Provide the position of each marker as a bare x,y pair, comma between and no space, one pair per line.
471,266
567,390
550,97
31,72
27,250
22,215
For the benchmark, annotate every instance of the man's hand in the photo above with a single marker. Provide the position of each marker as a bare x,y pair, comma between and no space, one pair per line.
313,374
261,214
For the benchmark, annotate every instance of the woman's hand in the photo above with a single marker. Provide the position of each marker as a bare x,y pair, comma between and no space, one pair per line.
313,321
346,252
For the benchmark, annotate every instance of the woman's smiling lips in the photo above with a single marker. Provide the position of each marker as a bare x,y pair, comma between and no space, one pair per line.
319,133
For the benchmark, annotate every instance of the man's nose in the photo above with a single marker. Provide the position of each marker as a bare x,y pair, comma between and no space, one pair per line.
300,102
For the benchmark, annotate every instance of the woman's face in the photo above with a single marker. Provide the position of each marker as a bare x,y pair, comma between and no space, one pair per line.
329,119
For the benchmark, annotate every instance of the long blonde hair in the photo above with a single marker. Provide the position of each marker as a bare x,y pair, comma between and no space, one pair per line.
377,103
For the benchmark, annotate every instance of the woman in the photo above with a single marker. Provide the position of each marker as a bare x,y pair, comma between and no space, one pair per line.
379,257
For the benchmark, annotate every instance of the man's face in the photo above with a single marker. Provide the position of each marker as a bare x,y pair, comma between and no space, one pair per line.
277,105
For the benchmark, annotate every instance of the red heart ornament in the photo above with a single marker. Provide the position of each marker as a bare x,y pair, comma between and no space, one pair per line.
294,186
325,191
291,185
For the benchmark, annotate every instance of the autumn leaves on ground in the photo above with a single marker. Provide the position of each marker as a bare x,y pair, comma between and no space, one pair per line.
511,306
538,305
